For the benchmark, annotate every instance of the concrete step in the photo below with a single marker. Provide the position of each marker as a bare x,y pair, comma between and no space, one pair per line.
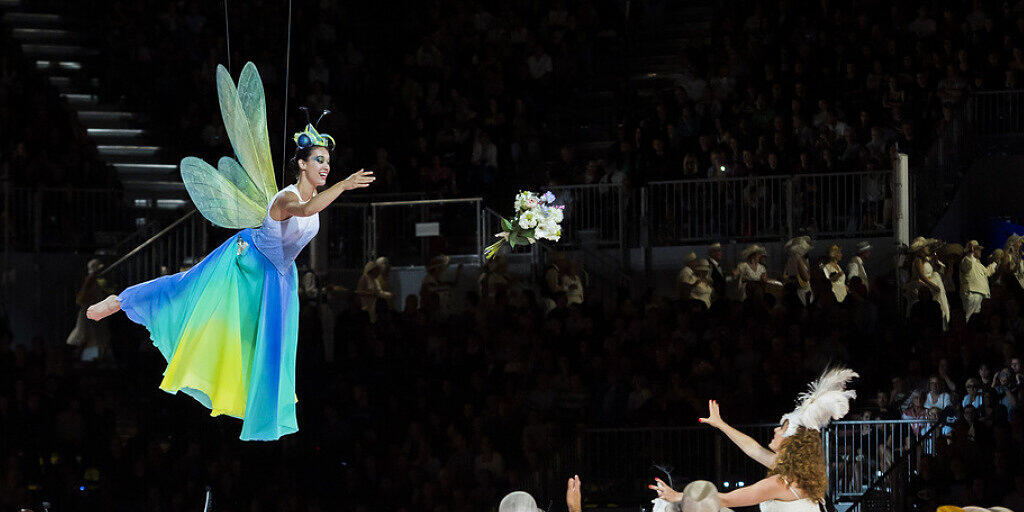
127,150
106,134
57,50
58,65
44,35
88,117
68,83
80,99
145,169
31,19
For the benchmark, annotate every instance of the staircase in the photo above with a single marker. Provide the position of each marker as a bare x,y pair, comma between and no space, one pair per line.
63,51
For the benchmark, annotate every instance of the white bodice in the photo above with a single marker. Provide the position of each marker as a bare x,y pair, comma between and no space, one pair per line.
800,505
281,241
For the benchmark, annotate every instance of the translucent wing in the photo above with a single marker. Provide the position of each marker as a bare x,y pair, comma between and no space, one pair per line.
251,145
254,104
227,195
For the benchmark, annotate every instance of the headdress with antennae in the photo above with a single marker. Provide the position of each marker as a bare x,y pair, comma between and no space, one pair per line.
310,136
826,399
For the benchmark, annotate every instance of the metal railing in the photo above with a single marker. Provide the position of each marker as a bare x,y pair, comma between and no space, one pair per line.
178,246
394,225
858,452
36,219
996,113
721,208
622,461
768,208
593,213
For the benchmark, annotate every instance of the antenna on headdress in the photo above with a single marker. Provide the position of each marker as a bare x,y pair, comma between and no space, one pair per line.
322,114
306,110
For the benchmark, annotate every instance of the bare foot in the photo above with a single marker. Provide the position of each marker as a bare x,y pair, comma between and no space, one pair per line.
104,308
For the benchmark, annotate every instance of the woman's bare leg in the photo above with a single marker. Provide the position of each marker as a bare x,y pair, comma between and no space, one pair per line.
103,308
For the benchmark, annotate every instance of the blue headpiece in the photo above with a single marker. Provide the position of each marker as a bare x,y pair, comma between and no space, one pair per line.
310,137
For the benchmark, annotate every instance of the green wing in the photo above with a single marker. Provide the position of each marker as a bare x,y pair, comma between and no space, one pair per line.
226,195
237,193
245,120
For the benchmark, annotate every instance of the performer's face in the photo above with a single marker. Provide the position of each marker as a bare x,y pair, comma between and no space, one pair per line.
777,439
317,166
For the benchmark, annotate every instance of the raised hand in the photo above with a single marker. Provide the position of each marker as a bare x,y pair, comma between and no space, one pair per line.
359,179
573,498
714,418
665,492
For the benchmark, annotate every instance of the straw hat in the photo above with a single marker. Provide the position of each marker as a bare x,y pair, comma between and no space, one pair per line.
863,246
94,265
799,245
440,261
752,249
971,245
714,246
518,501
920,243
701,496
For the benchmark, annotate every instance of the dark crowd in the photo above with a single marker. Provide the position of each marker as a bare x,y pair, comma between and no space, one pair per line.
482,384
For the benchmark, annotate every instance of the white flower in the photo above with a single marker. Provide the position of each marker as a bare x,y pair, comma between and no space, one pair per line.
555,214
528,220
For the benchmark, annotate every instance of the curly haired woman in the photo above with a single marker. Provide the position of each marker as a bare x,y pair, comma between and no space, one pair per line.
797,479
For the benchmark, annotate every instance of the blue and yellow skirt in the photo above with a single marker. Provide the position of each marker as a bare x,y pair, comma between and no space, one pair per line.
228,328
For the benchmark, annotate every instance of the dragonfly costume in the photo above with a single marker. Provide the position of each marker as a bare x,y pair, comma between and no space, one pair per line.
228,327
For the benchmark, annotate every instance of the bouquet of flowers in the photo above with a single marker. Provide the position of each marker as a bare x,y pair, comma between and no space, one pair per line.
537,218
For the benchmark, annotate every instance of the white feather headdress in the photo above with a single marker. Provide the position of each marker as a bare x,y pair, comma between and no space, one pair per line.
826,399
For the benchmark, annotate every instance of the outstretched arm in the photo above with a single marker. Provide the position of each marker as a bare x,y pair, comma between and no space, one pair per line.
752,448
771,488
288,205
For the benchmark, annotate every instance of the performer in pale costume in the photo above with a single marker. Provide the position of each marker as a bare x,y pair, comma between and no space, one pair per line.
91,337
687,276
974,277
924,274
797,477
856,268
702,288
1012,259
750,270
228,327
796,270
834,273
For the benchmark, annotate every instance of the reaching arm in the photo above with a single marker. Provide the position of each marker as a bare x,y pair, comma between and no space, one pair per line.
288,205
771,488
747,444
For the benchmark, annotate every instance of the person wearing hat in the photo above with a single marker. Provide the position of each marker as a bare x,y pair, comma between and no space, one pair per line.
974,277
702,289
92,337
924,274
687,276
435,286
384,280
796,270
751,270
1012,261
719,280
855,268
834,273
369,290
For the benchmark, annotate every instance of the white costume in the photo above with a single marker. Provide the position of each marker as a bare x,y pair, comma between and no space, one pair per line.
856,269
797,248
932,276
747,273
839,285
974,283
